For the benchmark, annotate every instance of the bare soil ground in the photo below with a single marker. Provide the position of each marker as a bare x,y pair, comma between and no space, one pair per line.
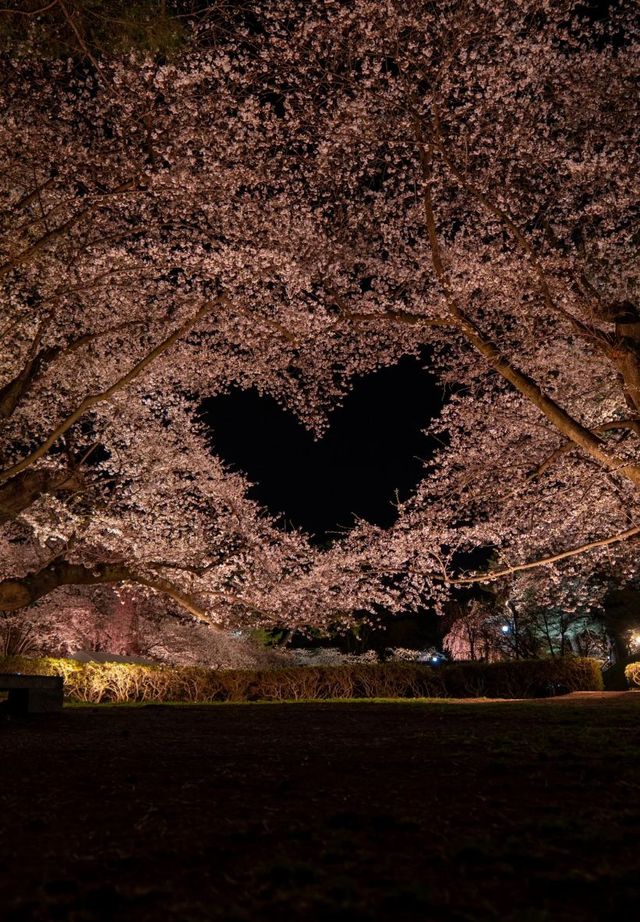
352,811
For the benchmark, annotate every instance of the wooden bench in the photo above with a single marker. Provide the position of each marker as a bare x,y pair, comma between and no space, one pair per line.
32,694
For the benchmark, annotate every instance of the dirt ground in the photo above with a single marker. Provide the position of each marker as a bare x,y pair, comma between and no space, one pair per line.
357,811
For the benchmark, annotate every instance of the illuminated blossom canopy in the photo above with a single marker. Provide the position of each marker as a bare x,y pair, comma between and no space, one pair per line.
284,206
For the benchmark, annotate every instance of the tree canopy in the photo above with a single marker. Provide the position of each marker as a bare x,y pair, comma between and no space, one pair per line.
286,204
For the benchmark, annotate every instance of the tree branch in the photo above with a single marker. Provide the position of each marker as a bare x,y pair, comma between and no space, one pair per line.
37,12
19,593
59,231
397,316
544,561
36,192
622,352
231,597
632,425
71,20
24,591
14,391
102,396
22,491
559,417
587,332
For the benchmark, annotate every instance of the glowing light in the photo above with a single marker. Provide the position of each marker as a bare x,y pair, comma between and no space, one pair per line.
505,628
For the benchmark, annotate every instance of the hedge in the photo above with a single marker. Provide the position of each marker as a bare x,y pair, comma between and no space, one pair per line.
119,682
632,673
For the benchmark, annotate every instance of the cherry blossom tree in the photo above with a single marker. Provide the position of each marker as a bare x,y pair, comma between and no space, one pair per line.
288,206
142,270
475,166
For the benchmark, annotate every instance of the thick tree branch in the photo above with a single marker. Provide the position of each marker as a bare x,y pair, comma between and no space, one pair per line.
19,593
622,350
24,591
397,316
17,389
230,597
10,392
404,317
36,192
563,421
592,334
632,425
56,232
22,491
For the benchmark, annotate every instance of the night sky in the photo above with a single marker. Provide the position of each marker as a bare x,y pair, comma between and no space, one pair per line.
374,449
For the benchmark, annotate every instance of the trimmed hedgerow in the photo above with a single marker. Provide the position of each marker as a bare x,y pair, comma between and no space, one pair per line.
94,683
524,678
632,673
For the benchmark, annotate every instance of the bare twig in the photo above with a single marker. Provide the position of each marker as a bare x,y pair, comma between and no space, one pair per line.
71,17
42,9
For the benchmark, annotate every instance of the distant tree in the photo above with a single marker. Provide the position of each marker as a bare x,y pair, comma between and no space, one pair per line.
495,630
473,634
102,622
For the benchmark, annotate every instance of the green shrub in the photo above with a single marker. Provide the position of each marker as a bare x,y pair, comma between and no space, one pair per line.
94,683
632,673
523,678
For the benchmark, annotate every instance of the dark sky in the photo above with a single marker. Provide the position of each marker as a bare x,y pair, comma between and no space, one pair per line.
373,449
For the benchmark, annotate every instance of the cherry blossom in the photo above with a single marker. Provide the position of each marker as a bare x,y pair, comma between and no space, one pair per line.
286,208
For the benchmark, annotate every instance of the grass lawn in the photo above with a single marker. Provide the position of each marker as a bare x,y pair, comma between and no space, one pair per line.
355,811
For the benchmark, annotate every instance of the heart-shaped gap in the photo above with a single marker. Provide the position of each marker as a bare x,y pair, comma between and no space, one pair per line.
373,451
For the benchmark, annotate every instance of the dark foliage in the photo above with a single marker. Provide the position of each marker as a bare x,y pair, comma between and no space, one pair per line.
119,682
